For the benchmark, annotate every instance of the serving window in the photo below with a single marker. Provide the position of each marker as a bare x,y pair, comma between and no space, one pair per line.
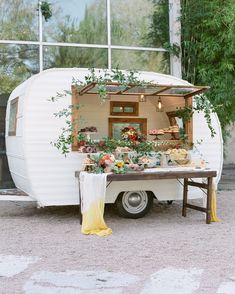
13,117
170,130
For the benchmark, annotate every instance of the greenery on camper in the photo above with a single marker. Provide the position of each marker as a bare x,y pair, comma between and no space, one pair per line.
103,77
132,77
202,104
65,139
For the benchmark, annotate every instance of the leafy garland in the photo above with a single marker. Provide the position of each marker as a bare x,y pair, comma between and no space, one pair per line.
65,139
202,104
103,77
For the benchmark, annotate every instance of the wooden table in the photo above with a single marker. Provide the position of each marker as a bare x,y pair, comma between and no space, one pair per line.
187,174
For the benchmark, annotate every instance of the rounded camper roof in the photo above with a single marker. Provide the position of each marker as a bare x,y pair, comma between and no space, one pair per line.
82,72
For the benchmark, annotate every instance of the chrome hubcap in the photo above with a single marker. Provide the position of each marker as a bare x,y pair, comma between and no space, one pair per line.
135,201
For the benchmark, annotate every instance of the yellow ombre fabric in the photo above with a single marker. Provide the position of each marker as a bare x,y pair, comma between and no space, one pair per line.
93,221
214,217
93,189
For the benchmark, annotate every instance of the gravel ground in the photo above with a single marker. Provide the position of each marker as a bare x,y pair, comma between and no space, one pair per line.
162,240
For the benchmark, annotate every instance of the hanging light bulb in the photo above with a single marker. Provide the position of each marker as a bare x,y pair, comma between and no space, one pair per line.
159,105
142,98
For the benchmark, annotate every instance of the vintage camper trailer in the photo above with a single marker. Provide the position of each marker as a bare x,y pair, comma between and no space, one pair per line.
41,171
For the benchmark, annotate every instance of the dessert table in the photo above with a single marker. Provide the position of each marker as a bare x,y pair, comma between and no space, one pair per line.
188,174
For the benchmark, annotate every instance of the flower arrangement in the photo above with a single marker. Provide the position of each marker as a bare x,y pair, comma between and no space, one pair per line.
104,163
107,162
131,134
119,167
101,163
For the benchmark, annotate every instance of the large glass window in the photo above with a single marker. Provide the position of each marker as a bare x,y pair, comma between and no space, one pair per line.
141,60
19,20
134,21
59,56
83,21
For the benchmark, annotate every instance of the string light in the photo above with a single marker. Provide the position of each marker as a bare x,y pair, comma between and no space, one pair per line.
159,105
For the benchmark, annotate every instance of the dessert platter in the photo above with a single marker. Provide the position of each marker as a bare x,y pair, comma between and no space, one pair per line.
147,161
178,156
156,133
88,164
88,131
123,153
159,132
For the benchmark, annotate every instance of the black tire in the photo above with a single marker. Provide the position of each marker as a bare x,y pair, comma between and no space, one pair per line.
134,204
169,202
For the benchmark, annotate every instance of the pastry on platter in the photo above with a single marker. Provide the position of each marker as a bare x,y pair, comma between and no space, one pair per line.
156,132
122,149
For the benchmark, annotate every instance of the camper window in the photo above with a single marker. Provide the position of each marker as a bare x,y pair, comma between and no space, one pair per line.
13,117
123,108
128,109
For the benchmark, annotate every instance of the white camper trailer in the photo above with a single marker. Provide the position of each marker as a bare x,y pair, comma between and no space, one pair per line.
41,171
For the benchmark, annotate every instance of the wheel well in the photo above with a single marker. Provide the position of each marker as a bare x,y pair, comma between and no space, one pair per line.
151,193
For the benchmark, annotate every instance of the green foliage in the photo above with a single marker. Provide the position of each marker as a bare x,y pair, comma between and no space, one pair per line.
46,9
201,104
102,77
65,138
17,61
185,113
208,51
159,28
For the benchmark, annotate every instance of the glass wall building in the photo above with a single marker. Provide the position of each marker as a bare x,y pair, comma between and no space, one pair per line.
80,33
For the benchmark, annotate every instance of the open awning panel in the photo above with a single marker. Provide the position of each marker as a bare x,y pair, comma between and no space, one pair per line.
146,89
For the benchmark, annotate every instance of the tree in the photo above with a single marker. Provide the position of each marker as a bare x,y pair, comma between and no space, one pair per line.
208,51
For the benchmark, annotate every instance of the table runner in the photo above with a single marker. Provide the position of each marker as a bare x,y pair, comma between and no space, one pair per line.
93,189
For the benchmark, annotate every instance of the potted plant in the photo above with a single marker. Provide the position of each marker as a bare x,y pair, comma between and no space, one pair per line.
46,10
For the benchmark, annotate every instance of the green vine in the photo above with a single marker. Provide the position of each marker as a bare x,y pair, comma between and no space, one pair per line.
103,77
201,104
185,113
46,10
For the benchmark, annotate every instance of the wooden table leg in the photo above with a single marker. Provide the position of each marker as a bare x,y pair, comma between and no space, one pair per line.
209,199
185,197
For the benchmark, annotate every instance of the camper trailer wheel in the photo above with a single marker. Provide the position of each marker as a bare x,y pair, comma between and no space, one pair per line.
134,204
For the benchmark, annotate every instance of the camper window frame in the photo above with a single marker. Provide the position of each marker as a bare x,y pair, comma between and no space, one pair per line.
122,105
75,115
12,124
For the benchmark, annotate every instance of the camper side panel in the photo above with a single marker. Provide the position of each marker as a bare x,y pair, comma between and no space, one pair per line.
51,174
210,148
14,141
